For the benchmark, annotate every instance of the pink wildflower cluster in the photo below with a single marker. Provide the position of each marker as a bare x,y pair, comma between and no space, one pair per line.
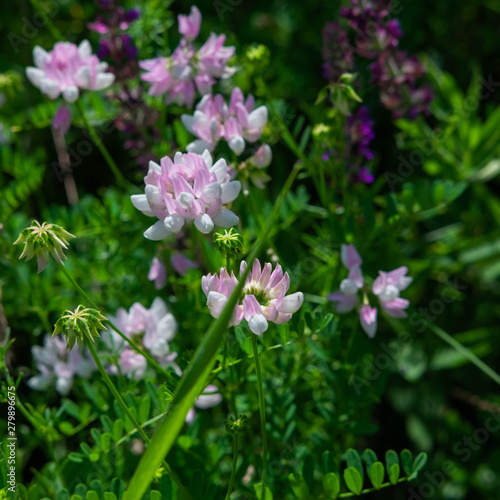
264,296
66,69
214,120
56,364
386,287
188,69
152,328
188,188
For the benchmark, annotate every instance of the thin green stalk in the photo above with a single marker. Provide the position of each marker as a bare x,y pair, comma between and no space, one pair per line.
100,145
233,469
262,408
132,344
124,407
466,352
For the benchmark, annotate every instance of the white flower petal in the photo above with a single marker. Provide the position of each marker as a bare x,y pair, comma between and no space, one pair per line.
230,191
258,324
84,49
237,144
198,146
173,223
188,122
291,303
156,232
154,197
204,223
103,80
220,170
50,88
211,192
71,93
207,158
257,118
225,218
216,302
82,77
140,202
35,75
40,56
154,166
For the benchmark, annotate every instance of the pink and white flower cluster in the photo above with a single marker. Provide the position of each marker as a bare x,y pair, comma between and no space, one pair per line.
264,296
188,188
67,69
214,120
386,287
152,328
58,365
188,69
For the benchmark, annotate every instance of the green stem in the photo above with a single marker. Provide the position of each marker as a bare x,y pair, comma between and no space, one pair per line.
466,352
132,344
262,408
124,407
233,469
100,145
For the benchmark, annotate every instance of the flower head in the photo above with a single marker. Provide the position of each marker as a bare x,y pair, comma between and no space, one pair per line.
386,287
188,188
58,364
66,69
43,240
264,296
214,120
78,325
188,69
153,329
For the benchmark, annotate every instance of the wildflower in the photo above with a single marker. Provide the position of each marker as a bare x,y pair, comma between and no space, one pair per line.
264,296
188,188
213,120
76,326
58,364
386,287
43,240
188,70
66,69
157,273
252,169
152,328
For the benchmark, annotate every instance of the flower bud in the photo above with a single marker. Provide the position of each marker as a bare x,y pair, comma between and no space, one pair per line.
43,240
77,325
238,425
230,243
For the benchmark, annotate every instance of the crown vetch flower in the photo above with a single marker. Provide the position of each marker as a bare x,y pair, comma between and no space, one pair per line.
157,273
214,120
188,188
56,364
386,287
66,69
264,296
44,240
152,328
77,325
188,70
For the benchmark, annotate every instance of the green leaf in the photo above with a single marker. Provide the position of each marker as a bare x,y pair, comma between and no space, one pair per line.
407,461
105,442
376,474
369,457
354,460
331,485
418,465
393,473
391,458
91,495
353,480
117,430
155,495
144,409
299,486
109,496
